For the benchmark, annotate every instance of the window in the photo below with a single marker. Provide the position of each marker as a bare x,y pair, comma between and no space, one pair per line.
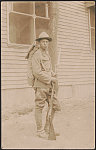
92,26
27,20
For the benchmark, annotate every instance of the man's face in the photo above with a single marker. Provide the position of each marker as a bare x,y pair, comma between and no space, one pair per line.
44,44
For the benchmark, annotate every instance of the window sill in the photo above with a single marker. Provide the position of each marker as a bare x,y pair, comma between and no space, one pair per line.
47,18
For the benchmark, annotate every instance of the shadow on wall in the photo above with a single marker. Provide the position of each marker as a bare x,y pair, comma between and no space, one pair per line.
76,92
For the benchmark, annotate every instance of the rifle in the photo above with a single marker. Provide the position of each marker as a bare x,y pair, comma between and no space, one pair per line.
49,118
49,124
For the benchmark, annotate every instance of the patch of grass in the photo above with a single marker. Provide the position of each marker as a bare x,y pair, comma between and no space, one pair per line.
25,111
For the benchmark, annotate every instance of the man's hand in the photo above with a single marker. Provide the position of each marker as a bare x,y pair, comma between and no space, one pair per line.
53,79
53,74
55,82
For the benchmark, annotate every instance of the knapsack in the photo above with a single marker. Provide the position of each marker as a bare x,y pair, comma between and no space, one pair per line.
30,76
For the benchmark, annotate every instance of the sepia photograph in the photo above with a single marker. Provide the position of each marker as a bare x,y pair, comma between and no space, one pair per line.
48,74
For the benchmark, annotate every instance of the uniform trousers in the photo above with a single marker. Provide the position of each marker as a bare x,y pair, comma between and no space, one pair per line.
42,96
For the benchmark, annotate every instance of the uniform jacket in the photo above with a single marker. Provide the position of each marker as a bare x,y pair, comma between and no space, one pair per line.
42,69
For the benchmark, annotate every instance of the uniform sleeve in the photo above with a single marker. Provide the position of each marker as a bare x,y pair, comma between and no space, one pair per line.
42,76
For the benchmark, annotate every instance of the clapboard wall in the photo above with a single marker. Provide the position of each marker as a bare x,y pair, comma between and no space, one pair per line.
76,64
13,63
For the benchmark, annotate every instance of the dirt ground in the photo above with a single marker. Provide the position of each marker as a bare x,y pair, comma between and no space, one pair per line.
75,123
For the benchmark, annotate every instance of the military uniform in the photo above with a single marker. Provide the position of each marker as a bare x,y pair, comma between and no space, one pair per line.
42,71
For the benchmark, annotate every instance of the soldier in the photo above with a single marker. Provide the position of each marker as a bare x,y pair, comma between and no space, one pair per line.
44,76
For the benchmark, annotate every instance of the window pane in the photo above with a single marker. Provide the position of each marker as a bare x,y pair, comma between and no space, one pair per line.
23,7
42,9
42,25
92,16
21,29
93,39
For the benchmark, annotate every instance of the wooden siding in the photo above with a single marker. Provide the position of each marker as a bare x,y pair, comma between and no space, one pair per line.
14,68
13,63
77,61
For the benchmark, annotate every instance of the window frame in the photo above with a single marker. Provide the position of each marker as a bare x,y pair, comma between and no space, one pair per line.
10,9
90,29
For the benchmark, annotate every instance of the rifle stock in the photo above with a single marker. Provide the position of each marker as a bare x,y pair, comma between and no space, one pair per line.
52,135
